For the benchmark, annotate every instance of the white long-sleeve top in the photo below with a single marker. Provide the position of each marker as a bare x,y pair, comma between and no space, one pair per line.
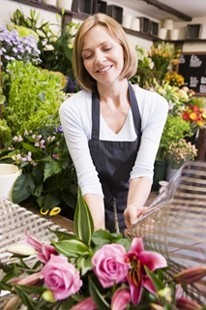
76,120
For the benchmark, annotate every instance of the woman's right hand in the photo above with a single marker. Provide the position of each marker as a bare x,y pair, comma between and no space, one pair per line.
132,214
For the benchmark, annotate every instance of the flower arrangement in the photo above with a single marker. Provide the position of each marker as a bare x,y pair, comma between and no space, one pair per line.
174,79
13,46
163,55
93,270
195,115
180,152
48,177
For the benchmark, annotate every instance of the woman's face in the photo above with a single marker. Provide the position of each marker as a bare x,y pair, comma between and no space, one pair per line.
102,55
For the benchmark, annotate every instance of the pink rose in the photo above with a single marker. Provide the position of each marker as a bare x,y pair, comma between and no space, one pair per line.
61,277
109,264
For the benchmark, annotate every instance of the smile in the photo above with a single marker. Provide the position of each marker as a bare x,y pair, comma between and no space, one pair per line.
105,69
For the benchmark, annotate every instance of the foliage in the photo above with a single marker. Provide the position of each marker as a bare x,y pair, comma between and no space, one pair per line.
48,178
94,270
175,129
43,30
153,65
55,48
33,97
179,152
13,46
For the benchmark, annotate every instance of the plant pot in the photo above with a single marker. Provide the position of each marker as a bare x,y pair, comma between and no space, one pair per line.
49,2
159,173
8,175
170,172
64,4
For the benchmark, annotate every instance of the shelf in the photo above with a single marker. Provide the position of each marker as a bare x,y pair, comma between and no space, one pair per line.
81,16
53,8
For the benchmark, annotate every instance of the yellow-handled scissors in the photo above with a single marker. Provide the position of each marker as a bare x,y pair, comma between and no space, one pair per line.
51,212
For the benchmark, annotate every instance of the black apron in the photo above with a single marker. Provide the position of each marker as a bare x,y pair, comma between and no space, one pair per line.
114,161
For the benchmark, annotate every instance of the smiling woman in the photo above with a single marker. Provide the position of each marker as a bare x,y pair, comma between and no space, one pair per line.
112,128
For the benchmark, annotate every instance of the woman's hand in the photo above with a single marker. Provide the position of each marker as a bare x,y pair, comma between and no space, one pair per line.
132,213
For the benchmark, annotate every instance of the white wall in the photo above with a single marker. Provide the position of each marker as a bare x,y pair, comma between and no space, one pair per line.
8,7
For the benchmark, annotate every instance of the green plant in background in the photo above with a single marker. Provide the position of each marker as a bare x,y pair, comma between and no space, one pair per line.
34,96
175,129
48,178
55,47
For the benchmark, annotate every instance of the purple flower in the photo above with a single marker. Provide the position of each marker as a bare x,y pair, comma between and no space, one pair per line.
61,277
15,47
109,264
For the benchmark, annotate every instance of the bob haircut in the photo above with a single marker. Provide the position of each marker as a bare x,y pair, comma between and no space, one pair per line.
83,78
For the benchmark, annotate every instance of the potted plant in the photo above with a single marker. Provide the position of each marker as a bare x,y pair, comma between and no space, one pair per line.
178,153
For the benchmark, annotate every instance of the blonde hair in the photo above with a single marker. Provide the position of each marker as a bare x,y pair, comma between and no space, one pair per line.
83,78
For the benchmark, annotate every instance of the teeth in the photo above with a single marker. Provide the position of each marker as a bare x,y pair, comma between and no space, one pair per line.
104,69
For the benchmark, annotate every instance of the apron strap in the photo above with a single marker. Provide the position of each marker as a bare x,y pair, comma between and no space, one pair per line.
96,113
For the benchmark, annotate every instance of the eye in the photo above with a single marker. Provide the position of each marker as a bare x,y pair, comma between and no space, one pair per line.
107,48
87,56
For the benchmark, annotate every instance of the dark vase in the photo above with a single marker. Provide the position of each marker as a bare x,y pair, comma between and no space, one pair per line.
160,167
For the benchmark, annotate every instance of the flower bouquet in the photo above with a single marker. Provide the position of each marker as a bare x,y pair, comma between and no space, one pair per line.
180,152
88,269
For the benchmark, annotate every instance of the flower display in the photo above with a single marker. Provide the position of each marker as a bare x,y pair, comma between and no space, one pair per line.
174,79
195,115
180,152
89,269
48,175
15,47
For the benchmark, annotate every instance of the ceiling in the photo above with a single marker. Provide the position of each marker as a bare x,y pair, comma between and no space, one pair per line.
191,8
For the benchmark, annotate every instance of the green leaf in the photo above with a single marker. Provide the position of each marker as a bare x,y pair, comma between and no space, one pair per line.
22,188
84,263
71,248
155,280
83,223
98,298
26,299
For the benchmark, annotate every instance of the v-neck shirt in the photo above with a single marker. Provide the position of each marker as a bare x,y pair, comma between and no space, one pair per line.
76,121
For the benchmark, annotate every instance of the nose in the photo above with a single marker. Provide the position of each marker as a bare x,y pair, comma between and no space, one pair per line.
99,57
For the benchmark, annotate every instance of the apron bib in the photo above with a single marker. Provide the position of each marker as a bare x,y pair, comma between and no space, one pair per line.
114,161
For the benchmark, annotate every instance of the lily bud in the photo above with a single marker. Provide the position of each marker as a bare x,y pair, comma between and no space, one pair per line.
13,303
156,307
121,299
190,275
166,293
185,303
86,304
48,296
21,248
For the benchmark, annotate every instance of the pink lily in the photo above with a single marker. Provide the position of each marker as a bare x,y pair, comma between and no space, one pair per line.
121,299
86,304
44,250
137,277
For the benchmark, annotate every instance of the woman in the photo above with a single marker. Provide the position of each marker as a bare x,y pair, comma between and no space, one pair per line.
112,128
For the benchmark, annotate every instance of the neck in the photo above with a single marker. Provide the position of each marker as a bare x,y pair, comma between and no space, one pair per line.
117,92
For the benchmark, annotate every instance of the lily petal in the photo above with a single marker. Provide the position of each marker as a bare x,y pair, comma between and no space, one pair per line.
152,260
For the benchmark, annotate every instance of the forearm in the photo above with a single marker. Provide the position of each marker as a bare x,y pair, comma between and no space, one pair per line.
139,190
96,207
